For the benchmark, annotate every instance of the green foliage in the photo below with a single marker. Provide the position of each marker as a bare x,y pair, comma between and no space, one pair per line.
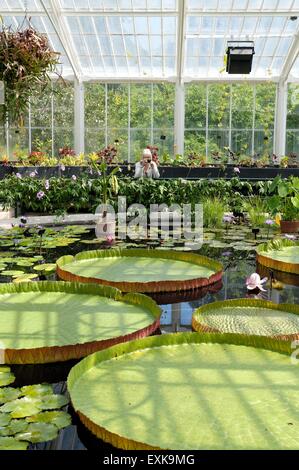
256,208
283,197
213,212
26,59
85,194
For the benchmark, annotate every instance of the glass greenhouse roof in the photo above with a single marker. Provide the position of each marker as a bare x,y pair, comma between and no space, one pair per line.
163,39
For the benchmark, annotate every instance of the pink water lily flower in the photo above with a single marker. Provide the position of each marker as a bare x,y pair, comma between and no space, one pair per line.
255,282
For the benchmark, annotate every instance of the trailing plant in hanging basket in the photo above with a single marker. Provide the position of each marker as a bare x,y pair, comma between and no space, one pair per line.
26,60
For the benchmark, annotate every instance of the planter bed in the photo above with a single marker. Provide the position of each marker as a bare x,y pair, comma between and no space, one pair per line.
166,172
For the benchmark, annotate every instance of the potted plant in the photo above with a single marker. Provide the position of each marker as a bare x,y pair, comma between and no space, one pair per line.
283,199
26,61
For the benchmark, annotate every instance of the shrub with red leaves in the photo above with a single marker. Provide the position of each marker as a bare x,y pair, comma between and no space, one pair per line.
107,155
66,151
154,151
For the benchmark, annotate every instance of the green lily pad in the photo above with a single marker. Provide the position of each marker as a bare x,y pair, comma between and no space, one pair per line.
52,402
61,419
6,378
25,278
10,443
15,426
9,394
4,369
22,407
2,267
50,267
5,419
12,273
39,432
5,254
37,391
95,241
24,263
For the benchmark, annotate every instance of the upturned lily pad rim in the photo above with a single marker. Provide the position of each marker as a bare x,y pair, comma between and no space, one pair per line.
174,339
265,259
160,286
55,354
235,303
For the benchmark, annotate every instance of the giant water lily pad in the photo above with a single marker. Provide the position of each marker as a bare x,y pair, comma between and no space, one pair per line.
10,443
248,317
280,254
190,391
55,321
141,270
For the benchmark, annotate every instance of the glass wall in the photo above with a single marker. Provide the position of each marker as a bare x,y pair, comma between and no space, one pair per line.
239,117
292,143
218,117
130,115
48,126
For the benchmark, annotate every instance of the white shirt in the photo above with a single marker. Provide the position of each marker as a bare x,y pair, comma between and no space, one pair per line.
152,171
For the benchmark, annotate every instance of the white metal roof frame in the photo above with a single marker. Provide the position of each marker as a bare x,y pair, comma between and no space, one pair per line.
60,12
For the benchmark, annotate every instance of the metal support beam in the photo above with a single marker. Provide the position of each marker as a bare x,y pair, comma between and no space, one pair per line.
79,129
58,22
281,120
179,126
236,12
181,32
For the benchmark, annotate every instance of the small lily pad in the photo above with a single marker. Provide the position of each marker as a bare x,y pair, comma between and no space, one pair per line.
12,273
24,263
5,419
22,407
37,391
9,394
52,402
15,426
39,432
61,419
10,443
25,278
45,268
6,378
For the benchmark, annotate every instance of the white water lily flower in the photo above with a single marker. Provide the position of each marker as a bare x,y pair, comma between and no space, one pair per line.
255,282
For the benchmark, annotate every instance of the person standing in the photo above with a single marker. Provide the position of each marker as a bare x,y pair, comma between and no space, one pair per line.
146,168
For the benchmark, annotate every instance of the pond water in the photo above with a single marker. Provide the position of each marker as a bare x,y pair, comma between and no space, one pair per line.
234,247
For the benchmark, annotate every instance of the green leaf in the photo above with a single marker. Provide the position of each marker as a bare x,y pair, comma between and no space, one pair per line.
61,419
5,419
39,432
52,402
10,443
9,394
37,391
15,426
48,268
22,407
6,378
